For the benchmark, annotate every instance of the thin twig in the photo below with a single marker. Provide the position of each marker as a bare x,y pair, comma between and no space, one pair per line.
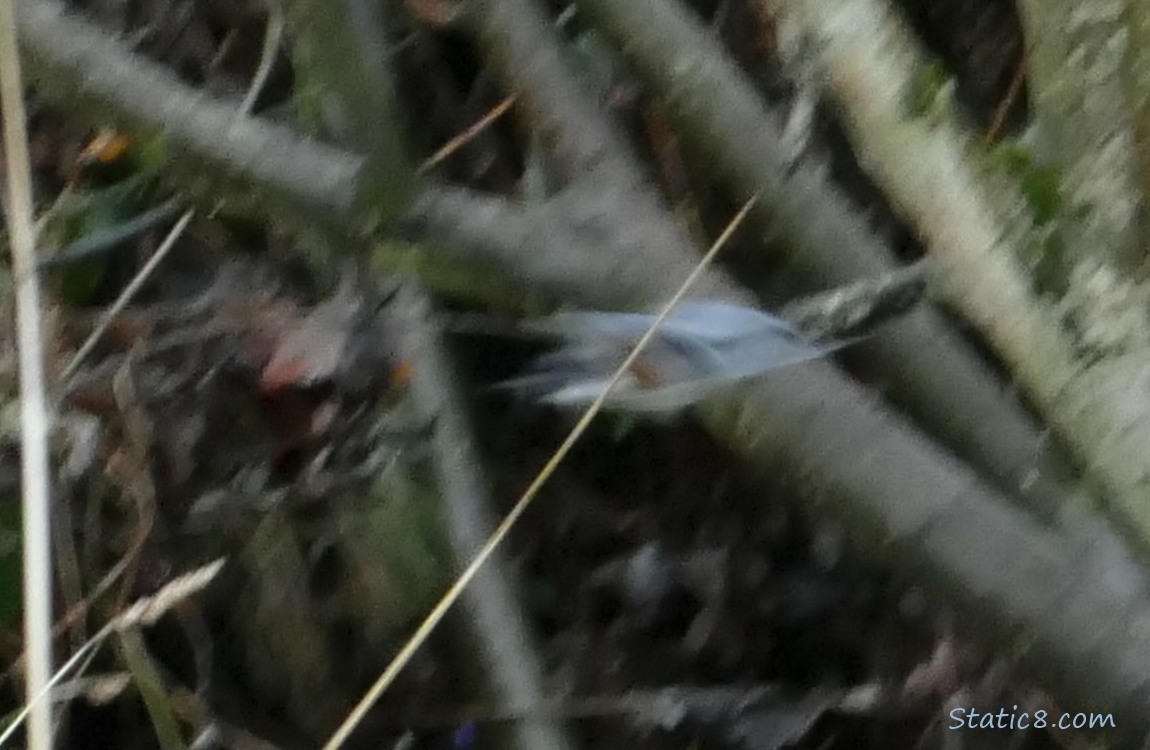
37,700
1007,102
466,136
440,610
101,241
127,295
145,611
34,415
81,608
273,36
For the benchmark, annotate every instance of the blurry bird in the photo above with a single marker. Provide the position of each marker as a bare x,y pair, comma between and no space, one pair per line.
701,347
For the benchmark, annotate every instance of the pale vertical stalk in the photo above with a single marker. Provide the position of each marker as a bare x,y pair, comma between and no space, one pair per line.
34,415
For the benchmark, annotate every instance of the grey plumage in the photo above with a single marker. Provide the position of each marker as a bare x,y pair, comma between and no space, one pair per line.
700,348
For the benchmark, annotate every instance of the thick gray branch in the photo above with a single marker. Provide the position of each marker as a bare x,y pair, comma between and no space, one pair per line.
1075,613
933,374
504,645
74,62
930,171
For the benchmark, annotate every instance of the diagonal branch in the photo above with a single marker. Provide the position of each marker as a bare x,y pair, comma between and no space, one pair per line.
1099,407
504,642
73,62
933,374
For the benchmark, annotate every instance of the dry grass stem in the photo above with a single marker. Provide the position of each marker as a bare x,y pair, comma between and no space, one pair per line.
34,414
445,603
